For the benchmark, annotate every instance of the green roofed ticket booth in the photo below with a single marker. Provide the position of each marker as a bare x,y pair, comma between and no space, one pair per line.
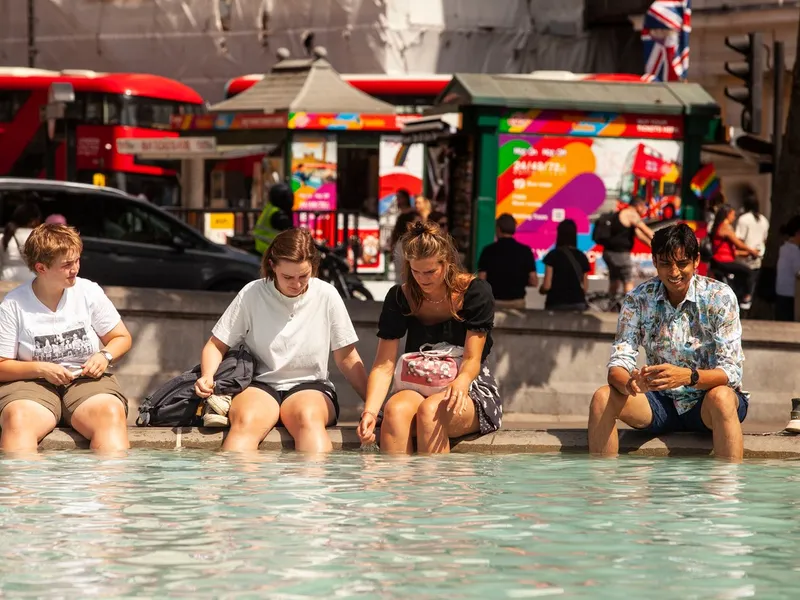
339,148
547,150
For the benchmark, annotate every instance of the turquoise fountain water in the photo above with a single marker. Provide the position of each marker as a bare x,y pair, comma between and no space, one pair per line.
162,524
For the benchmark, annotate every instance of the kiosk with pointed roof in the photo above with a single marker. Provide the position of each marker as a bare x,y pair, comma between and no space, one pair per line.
319,132
544,149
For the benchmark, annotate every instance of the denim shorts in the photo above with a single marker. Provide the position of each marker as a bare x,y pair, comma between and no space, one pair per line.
667,420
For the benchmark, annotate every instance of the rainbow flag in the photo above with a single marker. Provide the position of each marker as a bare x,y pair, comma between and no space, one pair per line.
705,183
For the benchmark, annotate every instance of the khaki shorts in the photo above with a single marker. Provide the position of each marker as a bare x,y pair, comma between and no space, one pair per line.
61,400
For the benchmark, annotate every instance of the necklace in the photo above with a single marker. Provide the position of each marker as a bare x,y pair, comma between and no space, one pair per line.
435,301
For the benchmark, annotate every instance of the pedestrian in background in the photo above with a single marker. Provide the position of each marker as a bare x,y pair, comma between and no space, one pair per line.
508,265
786,271
25,218
752,228
566,271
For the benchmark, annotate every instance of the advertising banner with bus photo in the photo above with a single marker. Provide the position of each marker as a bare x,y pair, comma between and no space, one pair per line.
543,180
400,166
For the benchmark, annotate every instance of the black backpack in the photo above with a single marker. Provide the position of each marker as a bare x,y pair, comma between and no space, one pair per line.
602,228
175,404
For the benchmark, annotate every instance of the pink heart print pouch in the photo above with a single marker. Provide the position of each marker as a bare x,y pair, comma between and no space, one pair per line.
428,371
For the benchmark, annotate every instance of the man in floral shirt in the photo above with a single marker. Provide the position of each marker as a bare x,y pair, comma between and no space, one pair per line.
689,328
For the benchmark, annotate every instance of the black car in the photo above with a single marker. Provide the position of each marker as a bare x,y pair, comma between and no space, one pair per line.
130,242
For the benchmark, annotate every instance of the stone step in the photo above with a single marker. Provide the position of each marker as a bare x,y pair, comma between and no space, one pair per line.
756,445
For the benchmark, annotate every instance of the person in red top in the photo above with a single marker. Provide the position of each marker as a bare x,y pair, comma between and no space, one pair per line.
727,247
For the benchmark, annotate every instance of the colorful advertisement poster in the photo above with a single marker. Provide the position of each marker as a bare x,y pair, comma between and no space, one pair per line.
370,258
314,172
543,180
604,125
348,121
400,166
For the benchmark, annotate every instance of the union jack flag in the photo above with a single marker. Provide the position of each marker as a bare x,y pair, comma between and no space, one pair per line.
665,33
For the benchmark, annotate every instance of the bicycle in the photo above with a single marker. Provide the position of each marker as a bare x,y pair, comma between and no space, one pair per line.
604,302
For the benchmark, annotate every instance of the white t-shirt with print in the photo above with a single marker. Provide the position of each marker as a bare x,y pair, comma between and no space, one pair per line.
30,331
291,338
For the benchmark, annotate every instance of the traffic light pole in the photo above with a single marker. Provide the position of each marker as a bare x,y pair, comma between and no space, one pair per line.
778,74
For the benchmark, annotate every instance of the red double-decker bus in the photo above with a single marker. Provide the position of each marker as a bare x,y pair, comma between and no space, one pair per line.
107,107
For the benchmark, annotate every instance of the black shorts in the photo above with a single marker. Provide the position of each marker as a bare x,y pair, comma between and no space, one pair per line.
281,396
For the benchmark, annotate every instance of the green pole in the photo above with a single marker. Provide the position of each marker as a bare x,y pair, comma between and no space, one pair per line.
694,134
485,208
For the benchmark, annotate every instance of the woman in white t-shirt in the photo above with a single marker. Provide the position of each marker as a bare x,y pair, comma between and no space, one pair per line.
752,228
23,220
44,377
290,321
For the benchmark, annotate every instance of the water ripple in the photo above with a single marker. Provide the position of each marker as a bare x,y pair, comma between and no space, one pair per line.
279,525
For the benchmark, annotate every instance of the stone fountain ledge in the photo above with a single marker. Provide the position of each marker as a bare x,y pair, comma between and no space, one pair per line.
756,445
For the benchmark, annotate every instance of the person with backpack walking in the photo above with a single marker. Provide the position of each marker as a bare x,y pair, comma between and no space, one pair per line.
616,232
290,321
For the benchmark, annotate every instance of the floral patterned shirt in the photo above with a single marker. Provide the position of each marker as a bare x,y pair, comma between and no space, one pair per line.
703,332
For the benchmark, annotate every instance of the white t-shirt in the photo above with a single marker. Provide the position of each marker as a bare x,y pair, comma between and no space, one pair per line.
291,338
787,269
69,336
14,267
753,231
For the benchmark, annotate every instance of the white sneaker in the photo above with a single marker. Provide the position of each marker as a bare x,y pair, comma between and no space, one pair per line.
794,422
211,419
219,404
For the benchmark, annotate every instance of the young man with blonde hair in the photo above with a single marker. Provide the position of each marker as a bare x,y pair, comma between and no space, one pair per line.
44,378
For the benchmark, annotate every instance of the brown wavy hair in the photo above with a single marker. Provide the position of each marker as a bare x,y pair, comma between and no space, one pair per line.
293,245
425,240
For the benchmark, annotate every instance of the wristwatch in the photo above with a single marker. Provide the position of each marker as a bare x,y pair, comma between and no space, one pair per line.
108,356
694,377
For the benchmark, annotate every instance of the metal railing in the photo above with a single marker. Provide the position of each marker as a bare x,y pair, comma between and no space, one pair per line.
244,219
333,227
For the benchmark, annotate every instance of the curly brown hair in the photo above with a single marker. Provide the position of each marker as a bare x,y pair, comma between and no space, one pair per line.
293,245
425,240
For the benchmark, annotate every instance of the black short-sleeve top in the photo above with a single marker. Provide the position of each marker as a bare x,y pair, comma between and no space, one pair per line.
477,313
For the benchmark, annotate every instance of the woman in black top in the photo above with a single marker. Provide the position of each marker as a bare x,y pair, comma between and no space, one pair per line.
438,303
566,271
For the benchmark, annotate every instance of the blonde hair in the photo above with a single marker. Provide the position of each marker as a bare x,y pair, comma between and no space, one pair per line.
423,206
425,240
49,241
